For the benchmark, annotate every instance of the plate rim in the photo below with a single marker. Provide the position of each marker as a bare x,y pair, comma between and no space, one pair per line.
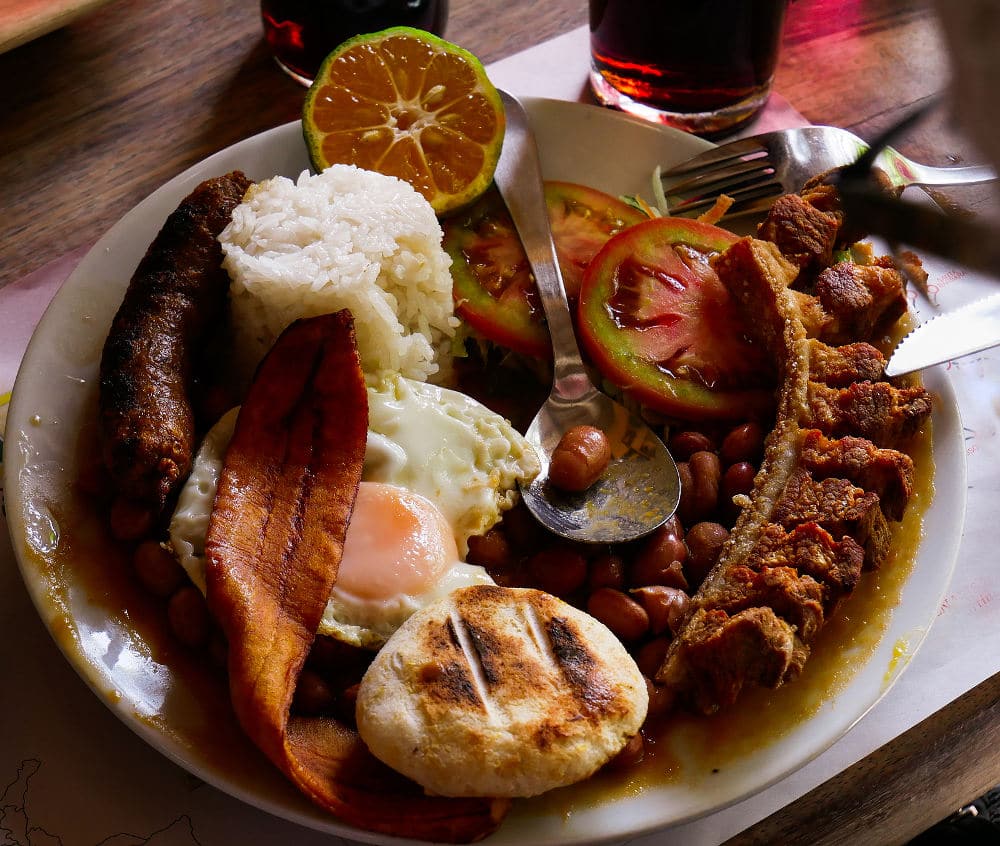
179,185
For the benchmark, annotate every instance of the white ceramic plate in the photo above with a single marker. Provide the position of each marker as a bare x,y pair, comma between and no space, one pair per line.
162,695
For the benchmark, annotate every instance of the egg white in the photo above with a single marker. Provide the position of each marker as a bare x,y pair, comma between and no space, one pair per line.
443,444
439,443
370,623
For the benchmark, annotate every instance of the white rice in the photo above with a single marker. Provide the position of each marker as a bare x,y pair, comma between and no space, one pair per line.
345,238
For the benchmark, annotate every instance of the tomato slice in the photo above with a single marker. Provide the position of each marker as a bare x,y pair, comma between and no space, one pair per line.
656,320
494,288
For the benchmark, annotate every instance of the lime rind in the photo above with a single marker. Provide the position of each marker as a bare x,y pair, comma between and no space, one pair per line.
442,201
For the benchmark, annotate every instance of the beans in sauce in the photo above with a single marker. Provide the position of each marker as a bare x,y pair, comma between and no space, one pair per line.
641,591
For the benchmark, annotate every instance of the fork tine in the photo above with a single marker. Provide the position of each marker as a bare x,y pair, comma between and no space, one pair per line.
753,198
715,156
722,179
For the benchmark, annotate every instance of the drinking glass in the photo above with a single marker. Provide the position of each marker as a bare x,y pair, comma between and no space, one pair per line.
705,66
301,33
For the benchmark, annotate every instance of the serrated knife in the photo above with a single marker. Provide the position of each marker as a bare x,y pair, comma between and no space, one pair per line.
966,330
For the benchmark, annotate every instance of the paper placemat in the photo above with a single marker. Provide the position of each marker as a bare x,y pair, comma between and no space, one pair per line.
59,784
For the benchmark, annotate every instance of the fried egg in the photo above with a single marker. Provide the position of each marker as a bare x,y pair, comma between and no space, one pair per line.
439,468
445,445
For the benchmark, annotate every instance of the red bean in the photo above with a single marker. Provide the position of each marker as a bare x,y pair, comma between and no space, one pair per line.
516,576
350,695
651,569
523,531
606,570
491,550
559,570
188,617
579,459
345,704
650,656
659,559
744,443
313,694
685,506
702,497
130,520
666,607
661,699
738,479
620,613
704,541
684,444
157,569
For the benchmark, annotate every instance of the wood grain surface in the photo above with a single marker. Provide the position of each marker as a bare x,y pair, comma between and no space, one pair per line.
95,116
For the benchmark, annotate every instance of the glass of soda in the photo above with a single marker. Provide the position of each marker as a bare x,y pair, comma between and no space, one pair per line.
301,33
704,66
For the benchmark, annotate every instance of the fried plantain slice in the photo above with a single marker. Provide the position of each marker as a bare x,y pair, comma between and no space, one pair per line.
273,550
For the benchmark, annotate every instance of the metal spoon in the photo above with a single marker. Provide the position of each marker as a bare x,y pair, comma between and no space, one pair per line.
640,488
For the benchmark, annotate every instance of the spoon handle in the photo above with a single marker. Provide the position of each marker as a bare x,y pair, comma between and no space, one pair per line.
518,176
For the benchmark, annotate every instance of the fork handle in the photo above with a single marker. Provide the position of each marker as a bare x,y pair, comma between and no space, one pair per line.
902,172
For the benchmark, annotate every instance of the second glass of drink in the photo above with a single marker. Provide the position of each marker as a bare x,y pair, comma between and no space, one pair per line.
704,66
302,32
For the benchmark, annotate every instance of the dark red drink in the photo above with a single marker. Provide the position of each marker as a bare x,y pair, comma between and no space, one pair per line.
703,65
302,32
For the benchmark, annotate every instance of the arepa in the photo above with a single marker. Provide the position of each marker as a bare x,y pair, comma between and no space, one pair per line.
500,692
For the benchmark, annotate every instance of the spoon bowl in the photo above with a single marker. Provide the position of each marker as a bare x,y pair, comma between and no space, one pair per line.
637,492
640,489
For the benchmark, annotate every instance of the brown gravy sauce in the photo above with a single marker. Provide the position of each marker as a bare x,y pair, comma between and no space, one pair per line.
691,747
88,562
89,565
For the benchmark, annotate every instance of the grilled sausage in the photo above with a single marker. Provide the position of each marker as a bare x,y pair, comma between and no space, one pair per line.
177,292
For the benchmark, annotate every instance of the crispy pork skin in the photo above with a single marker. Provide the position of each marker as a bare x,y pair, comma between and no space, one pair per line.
863,300
805,234
795,597
815,517
811,550
838,367
878,411
838,506
885,472
723,654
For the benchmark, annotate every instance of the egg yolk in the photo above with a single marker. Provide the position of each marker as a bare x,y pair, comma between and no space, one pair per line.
398,542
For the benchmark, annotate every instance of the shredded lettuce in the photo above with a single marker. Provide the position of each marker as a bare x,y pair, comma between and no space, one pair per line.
659,195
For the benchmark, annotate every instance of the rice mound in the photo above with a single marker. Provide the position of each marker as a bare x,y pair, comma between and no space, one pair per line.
344,238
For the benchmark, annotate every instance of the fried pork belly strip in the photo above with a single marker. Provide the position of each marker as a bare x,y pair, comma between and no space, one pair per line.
176,295
838,367
273,550
843,301
886,472
815,517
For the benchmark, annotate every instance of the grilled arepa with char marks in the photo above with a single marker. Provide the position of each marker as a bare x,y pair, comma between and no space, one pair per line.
500,692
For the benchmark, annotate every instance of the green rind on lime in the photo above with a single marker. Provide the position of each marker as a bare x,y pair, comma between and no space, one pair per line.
443,203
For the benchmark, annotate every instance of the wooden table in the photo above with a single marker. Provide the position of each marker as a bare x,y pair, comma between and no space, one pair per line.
99,114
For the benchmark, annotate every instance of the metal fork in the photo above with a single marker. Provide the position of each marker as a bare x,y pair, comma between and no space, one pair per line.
753,171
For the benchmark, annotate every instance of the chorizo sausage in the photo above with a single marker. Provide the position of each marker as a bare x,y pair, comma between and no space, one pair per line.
177,293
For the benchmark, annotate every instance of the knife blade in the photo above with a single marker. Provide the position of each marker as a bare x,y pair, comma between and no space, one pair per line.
966,330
